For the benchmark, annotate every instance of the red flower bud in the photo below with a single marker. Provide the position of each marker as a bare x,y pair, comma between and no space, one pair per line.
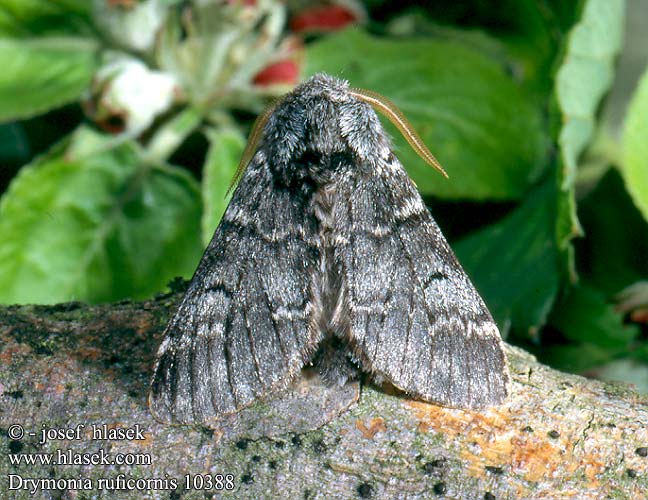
323,18
284,72
126,4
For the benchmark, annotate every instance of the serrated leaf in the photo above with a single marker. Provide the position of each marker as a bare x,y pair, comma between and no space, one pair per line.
225,150
39,75
513,263
635,147
583,78
96,224
470,114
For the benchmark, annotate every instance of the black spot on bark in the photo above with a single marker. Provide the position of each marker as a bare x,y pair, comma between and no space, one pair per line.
440,488
365,490
15,446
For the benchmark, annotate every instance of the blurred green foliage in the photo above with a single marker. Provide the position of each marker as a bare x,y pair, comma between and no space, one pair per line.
124,123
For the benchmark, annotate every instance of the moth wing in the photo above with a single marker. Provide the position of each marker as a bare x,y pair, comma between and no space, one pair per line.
245,325
411,312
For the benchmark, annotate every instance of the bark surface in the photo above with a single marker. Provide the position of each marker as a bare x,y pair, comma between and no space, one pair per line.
64,368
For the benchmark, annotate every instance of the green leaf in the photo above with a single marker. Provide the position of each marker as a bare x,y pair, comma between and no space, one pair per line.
19,18
527,34
473,117
613,253
641,352
584,76
41,74
635,147
90,221
583,315
226,148
513,263
593,327
172,133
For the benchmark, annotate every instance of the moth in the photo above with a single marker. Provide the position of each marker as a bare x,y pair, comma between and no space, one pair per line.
326,253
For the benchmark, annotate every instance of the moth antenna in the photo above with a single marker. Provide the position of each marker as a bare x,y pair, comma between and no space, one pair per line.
250,147
388,109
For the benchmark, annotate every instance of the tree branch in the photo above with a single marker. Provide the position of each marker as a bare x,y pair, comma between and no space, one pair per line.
70,366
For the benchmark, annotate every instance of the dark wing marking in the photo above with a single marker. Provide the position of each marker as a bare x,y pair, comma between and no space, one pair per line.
405,303
247,322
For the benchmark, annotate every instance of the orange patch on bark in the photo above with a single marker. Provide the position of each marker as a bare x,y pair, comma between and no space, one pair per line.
376,425
6,356
496,439
91,353
147,441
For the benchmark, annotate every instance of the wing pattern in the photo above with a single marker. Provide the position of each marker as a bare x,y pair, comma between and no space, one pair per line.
406,305
247,322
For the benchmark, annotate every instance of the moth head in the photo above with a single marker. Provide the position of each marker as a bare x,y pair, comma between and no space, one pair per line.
323,89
